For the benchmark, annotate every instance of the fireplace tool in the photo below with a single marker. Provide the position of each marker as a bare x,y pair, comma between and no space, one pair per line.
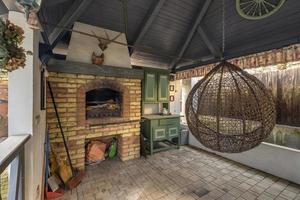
77,176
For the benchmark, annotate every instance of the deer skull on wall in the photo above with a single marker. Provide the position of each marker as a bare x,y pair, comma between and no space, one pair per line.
103,44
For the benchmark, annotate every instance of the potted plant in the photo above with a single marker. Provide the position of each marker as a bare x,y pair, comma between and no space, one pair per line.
12,55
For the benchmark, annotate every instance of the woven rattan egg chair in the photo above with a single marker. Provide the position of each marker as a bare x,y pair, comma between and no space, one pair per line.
230,110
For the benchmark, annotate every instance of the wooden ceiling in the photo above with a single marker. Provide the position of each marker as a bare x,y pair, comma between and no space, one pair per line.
178,34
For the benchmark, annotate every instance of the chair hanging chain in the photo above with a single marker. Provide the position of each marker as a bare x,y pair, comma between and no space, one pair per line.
125,17
223,28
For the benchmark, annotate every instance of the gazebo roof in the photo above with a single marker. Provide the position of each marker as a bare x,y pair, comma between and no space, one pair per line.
177,32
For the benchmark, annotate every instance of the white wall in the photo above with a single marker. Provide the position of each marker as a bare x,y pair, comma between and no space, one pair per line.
24,114
185,90
175,106
195,80
81,47
277,160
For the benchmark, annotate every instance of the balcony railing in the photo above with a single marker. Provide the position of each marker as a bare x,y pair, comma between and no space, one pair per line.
12,153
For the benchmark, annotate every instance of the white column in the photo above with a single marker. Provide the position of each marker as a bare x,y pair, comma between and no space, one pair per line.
24,114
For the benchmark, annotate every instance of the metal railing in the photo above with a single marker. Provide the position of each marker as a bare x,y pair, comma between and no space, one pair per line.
12,153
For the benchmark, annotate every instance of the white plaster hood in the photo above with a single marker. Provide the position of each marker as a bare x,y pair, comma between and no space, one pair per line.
81,47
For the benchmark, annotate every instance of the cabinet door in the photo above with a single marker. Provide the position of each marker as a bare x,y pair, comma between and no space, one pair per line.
159,133
173,131
150,93
163,87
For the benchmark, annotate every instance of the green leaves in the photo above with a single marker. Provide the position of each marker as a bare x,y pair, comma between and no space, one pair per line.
12,56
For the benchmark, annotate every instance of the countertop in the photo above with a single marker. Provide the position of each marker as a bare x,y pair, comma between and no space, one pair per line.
151,117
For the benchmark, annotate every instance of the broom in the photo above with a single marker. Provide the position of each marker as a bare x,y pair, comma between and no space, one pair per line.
77,176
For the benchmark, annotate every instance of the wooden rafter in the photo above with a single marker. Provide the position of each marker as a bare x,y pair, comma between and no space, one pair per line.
74,12
54,3
148,20
191,33
211,45
3,8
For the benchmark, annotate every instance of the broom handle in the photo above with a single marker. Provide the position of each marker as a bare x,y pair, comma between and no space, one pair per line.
60,127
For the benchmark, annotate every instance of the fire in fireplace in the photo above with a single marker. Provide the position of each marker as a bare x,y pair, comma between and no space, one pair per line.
103,102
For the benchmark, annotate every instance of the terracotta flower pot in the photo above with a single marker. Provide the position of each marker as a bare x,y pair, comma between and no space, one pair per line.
97,60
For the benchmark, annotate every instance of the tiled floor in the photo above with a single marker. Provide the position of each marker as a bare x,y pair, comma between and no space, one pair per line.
184,174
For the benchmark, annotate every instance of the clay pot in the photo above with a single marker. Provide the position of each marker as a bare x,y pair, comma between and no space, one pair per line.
97,60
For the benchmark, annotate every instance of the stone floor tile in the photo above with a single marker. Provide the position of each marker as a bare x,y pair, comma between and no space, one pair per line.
184,174
288,194
236,192
257,189
274,190
298,197
244,186
266,196
293,188
280,198
216,193
251,182
227,196
249,195
207,197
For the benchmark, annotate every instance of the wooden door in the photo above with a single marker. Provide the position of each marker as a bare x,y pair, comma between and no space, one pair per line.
163,87
150,87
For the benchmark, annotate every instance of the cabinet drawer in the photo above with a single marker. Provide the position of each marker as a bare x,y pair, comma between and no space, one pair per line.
163,122
159,133
173,131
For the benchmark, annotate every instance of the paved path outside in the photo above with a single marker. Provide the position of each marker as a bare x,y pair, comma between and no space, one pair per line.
184,174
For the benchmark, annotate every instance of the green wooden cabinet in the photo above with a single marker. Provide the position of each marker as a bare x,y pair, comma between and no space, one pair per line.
163,87
161,132
160,129
150,87
155,86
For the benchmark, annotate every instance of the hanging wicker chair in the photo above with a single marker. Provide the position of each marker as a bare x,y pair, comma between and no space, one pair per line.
230,110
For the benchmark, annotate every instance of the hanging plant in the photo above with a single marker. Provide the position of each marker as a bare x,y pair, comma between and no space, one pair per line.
12,55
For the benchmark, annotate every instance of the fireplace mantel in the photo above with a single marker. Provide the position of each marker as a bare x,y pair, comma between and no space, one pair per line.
63,66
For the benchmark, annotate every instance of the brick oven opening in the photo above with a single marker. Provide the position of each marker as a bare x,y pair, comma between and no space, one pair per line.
103,102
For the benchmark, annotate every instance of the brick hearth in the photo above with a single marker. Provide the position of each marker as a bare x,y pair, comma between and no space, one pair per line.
69,91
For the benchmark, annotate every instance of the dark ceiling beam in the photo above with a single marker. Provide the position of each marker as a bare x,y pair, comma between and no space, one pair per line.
211,45
10,5
44,28
54,2
191,33
196,62
148,20
3,8
74,12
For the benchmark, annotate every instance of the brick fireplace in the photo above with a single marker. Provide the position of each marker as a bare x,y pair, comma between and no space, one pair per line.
79,97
